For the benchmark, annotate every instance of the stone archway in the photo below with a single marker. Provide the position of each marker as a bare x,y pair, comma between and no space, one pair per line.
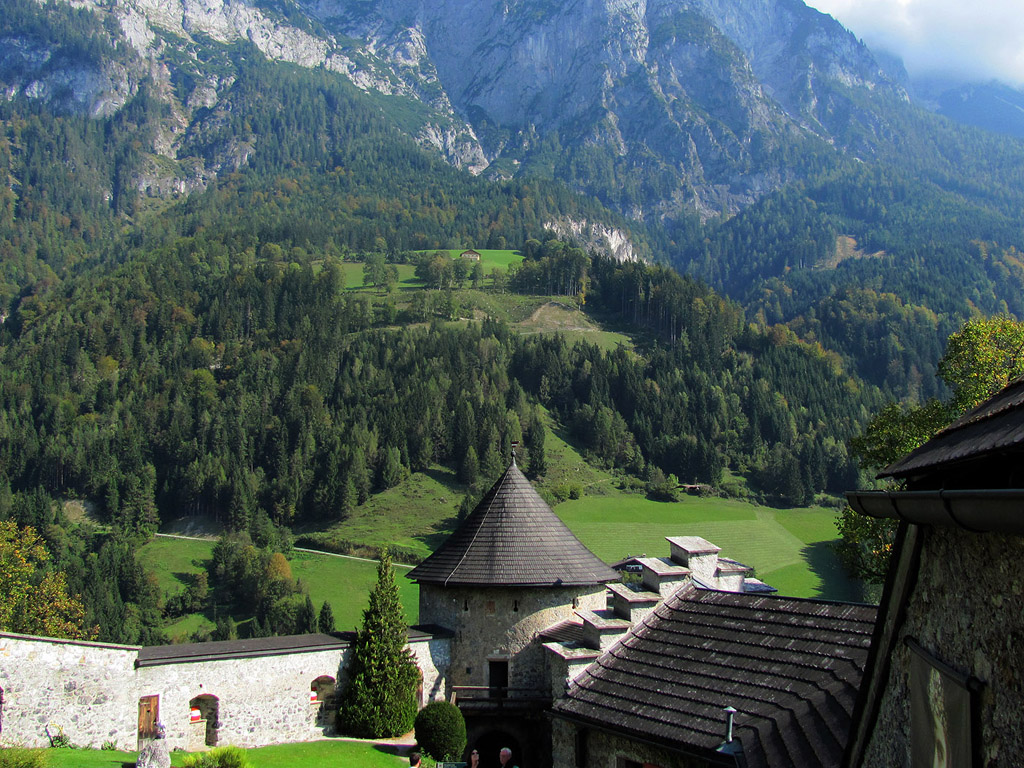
489,743
323,699
207,706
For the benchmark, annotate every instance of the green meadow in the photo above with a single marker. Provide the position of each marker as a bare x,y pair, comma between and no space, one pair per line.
341,753
790,549
489,258
353,271
343,581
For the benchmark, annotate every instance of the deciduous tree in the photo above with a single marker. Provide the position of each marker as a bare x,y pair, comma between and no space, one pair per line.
34,600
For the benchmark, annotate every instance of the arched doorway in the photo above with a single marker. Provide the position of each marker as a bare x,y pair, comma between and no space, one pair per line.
205,709
322,697
490,743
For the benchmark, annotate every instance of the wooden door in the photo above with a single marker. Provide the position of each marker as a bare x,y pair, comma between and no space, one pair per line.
498,682
149,716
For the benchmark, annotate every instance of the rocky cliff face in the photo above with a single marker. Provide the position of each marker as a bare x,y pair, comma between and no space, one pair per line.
700,92
655,106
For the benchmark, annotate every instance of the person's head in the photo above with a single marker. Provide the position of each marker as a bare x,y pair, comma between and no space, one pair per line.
474,757
414,759
505,755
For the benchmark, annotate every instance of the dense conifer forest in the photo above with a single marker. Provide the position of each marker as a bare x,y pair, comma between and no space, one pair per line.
162,356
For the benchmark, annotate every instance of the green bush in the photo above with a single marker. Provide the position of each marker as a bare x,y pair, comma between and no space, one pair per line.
441,731
17,757
219,757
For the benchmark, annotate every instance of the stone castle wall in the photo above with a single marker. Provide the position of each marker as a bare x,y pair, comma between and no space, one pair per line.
501,623
965,610
92,691
85,689
259,701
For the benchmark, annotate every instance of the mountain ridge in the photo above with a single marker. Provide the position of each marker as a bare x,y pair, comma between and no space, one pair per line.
688,104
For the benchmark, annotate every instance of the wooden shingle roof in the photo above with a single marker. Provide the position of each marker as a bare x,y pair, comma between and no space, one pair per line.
791,668
997,425
513,538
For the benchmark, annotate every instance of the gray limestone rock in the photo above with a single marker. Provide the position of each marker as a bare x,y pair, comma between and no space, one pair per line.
154,755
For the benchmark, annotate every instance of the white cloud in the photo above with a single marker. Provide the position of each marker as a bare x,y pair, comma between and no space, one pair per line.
977,39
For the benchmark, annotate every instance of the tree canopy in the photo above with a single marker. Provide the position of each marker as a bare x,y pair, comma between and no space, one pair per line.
34,600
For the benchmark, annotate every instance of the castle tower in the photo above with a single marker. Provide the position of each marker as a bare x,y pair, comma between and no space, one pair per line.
510,570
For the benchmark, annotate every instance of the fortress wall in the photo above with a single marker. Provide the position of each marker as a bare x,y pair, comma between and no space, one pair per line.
86,689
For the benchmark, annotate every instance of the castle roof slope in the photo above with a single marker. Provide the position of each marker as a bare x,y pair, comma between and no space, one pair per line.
513,538
791,668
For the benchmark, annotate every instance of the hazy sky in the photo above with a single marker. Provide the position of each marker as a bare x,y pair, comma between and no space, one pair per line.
977,39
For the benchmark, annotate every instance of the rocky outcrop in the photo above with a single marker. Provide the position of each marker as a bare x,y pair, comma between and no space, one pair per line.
702,90
593,236
656,106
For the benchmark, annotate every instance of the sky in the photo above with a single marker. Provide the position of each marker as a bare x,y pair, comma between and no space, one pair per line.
968,39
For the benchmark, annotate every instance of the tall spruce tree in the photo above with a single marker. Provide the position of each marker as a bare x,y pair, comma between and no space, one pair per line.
380,698
305,623
325,621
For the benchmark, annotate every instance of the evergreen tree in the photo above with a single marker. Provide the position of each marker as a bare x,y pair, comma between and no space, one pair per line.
325,622
535,446
306,624
469,468
380,698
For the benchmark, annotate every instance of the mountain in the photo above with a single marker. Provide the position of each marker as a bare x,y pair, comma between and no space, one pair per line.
686,103
993,106
756,145
657,108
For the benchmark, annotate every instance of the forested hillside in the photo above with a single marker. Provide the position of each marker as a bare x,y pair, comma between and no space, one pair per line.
184,333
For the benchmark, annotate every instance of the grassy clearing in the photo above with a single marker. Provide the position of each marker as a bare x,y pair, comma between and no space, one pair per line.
566,467
416,515
339,753
173,560
790,549
344,582
559,317
407,279
489,258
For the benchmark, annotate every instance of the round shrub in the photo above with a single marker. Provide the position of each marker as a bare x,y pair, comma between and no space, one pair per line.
441,731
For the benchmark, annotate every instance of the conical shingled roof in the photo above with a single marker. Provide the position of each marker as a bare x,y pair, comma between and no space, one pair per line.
513,538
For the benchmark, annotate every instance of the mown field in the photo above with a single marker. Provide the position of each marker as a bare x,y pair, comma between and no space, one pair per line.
345,582
489,258
790,549
339,753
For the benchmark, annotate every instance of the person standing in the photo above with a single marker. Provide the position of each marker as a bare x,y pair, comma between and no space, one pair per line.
505,756
474,759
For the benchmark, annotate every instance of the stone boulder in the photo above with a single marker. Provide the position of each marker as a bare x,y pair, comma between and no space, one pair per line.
154,755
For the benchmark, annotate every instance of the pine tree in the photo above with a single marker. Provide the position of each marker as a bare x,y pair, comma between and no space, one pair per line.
535,445
325,622
380,698
305,623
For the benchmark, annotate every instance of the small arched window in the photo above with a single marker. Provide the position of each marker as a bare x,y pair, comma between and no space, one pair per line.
321,689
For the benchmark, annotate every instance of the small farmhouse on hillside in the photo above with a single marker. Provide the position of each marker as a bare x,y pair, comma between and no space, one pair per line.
945,681
470,255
